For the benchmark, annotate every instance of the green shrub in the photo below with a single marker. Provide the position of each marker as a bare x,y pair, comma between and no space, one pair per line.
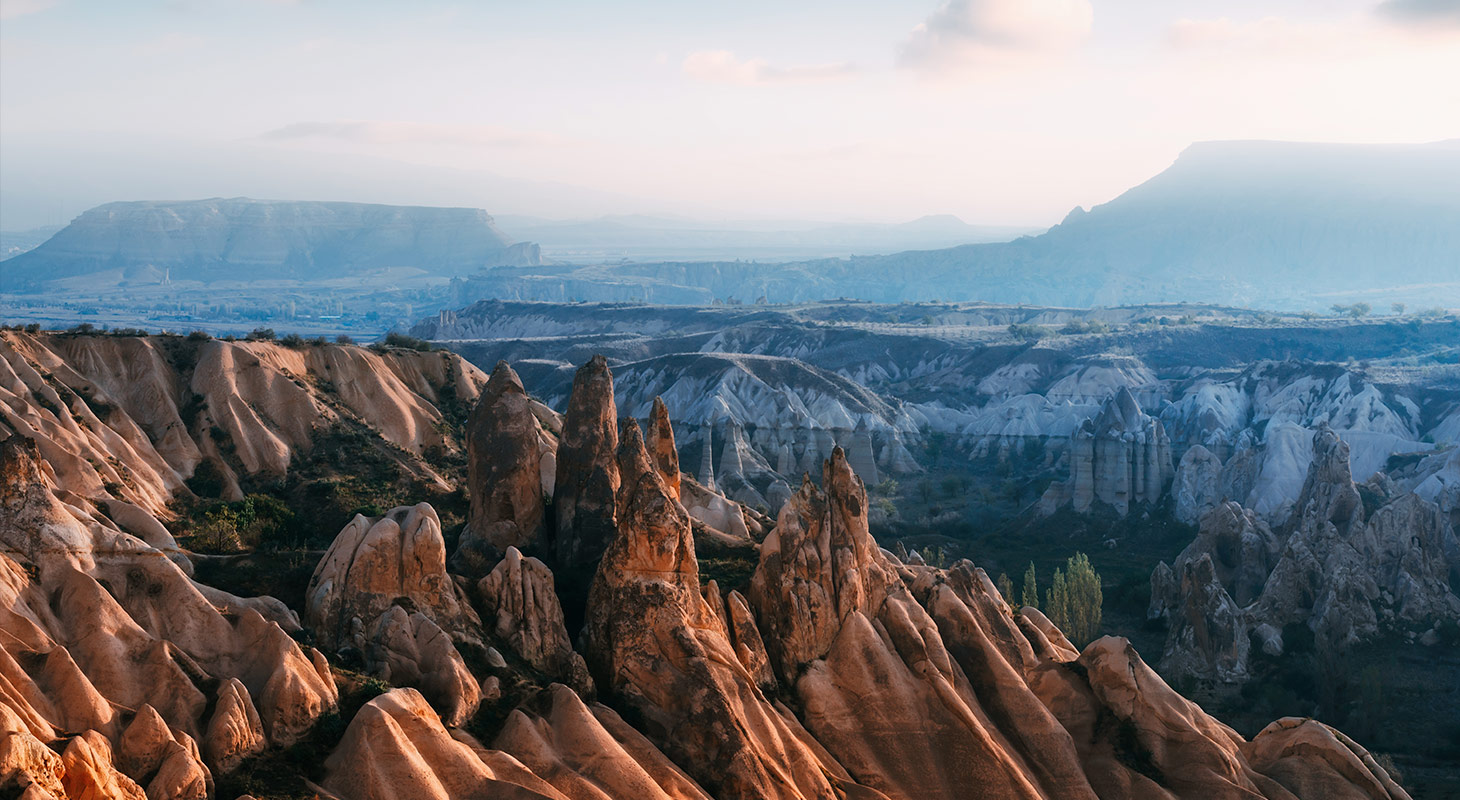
1028,333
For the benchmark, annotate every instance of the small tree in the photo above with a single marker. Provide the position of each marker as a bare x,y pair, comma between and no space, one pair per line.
1074,599
1030,595
1359,310
1006,587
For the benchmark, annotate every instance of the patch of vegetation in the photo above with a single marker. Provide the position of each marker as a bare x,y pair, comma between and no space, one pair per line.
1026,332
258,521
401,340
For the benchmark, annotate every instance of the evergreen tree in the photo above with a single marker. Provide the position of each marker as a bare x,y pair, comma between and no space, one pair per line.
1030,595
1073,601
1006,588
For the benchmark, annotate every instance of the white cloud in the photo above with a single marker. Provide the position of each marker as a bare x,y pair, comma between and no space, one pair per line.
10,9
721,66
377,132
995,34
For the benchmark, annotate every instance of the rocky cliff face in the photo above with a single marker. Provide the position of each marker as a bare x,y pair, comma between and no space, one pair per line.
242,239
1343,574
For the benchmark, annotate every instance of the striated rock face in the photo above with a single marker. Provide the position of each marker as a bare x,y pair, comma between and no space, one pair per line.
587,475
107,639
126,420
586,750
849,636
1119,458
374,564
504,444
522,607
397,749
657,647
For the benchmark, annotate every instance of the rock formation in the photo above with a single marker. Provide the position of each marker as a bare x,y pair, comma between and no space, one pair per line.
130,419
587,476
1197,486
522,607
108,640
409,649
1119,458
1342,575
504,443
374,564
656,646
841,673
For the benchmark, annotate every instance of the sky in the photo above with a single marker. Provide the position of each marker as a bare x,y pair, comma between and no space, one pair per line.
1004,112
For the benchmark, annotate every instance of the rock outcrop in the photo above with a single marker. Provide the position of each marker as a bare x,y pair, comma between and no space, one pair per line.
587,475
108,640
373,564
409,649
505,444
1197,486
522,608
661,446
130,419
1344,576
657,647
1119,458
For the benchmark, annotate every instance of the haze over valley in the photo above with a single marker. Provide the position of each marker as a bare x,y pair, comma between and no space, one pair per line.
1016,399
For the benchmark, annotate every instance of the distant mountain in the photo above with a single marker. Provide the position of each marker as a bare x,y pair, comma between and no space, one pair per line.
243,239
1271,224
645,238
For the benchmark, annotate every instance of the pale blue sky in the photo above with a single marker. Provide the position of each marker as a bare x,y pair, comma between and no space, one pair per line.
999,111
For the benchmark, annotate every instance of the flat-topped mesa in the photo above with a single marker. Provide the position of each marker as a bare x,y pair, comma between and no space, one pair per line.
661,446
503,442
588,472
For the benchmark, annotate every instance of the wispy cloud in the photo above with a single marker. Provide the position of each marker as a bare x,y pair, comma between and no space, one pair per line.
385,132
963,35
10,9
721,66
1421,13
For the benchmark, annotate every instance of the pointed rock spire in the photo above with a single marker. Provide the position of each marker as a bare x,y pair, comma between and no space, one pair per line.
707,458
504,475
661,446
588,474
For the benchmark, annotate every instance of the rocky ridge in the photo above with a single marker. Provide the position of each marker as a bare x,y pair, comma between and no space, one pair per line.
841,672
